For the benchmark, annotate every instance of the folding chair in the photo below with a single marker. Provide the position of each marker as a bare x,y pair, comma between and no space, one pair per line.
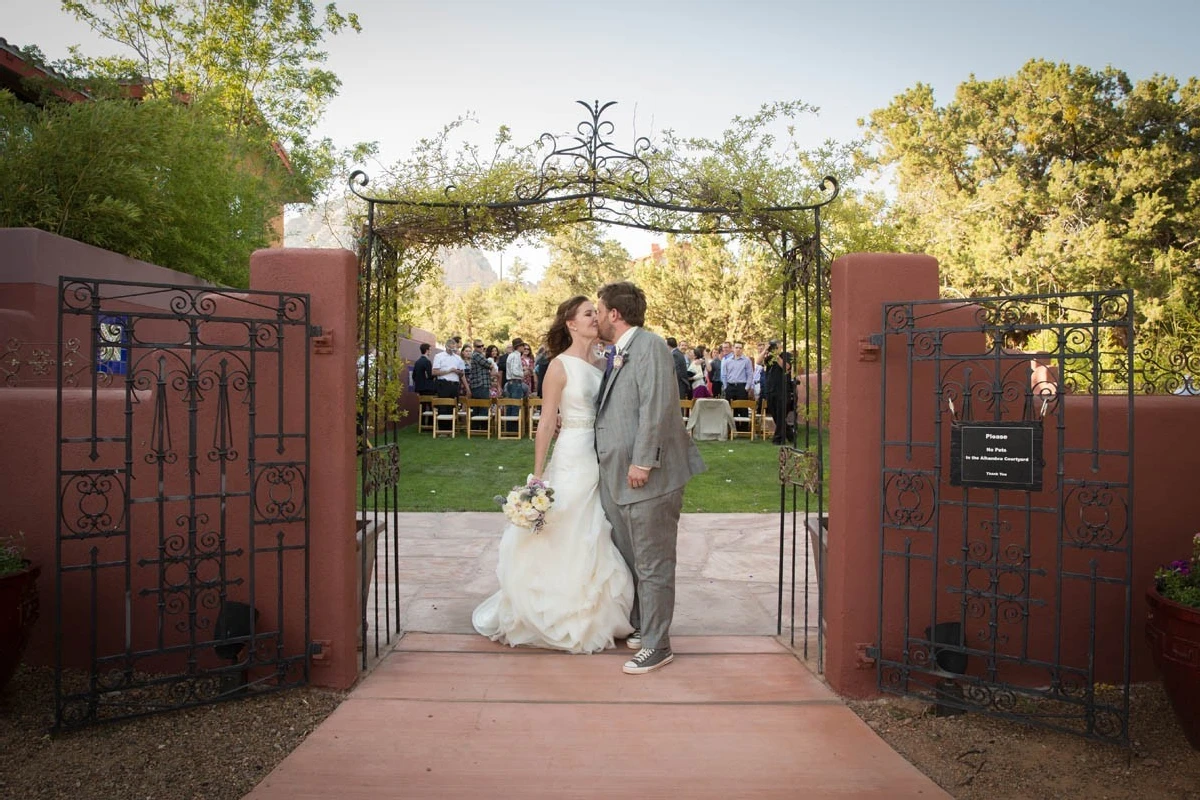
479,416
510,426
685,409
762,418
743,426
445,416
461,421
534,406
425,417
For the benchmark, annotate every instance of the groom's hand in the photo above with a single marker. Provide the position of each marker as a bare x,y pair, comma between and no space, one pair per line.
638,476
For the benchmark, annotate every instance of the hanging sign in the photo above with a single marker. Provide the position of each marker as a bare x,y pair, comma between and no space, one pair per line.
996,455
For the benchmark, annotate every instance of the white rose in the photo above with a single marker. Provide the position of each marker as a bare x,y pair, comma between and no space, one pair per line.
541,503
532,514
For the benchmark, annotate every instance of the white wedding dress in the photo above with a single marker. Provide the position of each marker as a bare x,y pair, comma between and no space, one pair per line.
565,587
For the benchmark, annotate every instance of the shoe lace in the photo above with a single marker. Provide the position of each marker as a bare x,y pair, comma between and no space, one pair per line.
644,655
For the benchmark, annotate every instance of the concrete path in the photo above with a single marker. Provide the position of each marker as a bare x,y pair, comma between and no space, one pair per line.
727,578
457,716
449,714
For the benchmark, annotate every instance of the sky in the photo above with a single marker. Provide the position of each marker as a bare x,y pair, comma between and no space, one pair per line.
690,66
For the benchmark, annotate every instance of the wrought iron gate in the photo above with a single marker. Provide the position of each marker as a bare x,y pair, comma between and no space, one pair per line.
378,518
1006,530
182,521
803,520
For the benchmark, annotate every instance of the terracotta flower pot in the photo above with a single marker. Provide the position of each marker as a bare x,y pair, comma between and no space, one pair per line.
18,612
1173,631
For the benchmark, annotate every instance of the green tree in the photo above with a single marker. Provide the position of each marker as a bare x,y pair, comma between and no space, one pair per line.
260,62
1057,178
709,287
158,181
582,260
704,291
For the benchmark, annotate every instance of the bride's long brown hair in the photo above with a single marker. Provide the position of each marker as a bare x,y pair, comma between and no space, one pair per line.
558,338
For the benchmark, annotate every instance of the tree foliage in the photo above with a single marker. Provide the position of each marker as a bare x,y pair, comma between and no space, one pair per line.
260,62
707,287
1057,178
158,181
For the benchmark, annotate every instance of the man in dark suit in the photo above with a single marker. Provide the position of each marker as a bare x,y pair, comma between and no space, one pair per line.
422,373
681,369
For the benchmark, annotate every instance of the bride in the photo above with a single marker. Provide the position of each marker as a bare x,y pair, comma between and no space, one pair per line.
565,586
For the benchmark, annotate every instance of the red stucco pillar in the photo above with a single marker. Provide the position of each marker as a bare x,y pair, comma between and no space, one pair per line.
862,282
329,276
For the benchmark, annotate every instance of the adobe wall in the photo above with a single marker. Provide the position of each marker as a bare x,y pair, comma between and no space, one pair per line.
1166,457
29,298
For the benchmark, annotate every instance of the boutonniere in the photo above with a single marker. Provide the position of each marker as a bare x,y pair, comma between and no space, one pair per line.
619,358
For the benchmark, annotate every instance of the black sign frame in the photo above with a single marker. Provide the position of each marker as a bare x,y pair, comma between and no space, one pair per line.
997,455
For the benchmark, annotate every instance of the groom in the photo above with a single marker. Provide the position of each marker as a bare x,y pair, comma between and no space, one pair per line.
646,458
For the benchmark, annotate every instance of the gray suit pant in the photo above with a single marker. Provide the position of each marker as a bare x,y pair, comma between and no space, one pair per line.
645,533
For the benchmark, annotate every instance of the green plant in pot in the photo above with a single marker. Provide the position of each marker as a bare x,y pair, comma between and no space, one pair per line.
18,604
1173,631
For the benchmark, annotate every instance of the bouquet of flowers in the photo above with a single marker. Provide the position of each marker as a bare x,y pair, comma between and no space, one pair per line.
1180,580
526,506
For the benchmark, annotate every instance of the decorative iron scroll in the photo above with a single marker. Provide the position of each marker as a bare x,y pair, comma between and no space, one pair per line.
36,363
799,468
380,468
1082,336
1002,593
586,177
1169,370
183,495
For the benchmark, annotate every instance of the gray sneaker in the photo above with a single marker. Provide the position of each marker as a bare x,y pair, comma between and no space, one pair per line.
648,659
634,640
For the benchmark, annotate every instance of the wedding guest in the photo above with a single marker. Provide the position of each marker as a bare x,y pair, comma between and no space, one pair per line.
449,369
697,371
422,373
479,375
493,357
527,365
737,374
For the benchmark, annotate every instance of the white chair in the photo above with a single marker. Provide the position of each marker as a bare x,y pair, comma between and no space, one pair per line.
534,406
445,416
425,418
510,424
479,416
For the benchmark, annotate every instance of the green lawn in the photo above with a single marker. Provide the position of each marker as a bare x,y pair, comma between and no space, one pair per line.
464,475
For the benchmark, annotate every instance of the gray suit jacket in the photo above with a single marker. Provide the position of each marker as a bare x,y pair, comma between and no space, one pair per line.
638,422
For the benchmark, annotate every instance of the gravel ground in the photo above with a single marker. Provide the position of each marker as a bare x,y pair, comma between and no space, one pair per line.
216,752
980,758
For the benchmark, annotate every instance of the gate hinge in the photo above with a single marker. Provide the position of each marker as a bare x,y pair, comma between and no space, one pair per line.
322,344
319,649
868,347
865,654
